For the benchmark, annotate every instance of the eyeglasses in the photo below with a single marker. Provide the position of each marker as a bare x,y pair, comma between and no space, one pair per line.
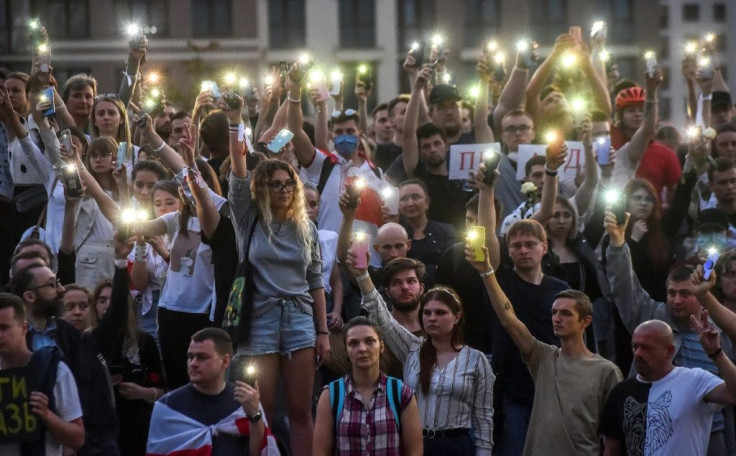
55,284
642,199
95,155
278,187
515,128
106,95
346,113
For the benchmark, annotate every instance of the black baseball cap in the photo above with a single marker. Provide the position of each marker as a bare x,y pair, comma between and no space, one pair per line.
443,92
720,99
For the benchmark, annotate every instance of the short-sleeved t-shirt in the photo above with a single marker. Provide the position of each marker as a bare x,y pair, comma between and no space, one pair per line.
68,408
666,417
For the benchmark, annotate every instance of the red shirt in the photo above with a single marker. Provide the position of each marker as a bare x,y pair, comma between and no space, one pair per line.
659,164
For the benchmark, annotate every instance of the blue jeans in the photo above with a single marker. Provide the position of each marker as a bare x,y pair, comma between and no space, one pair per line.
516,422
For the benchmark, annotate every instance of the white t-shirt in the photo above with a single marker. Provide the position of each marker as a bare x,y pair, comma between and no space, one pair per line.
328,249
190,280
66,400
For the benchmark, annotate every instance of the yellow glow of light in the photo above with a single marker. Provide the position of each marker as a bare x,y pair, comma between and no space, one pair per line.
474,92
362,68
33,24
597,27
612,196
132,29
472,235
649,55
579,104
712,251
601,141
43,98
359,183
437,40
693,132
499,58
487,155
230,78
206,85
691,47
568,60
155,93
360,236
446,78
335,75
43,48
250,370
243,83
316,76
550,137
605,56
70,168
492,46
268,80
414,46
149,103
704,61
710,37
387,192
153,77
128,215
304,58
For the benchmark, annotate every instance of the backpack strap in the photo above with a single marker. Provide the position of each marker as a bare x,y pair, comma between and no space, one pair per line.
324,174
394,386
337,400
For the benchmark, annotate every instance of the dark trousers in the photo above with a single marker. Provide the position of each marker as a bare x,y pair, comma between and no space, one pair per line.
461,445
174,331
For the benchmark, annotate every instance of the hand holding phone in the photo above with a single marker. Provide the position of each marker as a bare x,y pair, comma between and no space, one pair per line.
354,189
279,141
122,154
710,262
491,159
602,147
361,243
477,239
72,181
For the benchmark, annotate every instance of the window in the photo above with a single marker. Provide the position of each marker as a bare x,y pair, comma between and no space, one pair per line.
6,27
211,17
286,24
548,19
481,21
152,15
64,19
620,19
719,12
690,12
416,21
357,24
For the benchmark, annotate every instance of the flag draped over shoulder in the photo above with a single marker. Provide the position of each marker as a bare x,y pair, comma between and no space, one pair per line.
176,434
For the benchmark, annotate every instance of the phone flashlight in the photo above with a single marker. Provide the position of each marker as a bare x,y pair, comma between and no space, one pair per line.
355,189
476,237
491,160
230,78
614,201
710,262
568,60
361,243
598,27
391,199
551,137
249,374
651,61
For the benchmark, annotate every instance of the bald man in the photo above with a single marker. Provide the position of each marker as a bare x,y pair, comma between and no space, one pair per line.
667,410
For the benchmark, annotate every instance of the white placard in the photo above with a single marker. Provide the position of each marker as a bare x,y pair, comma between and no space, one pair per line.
575,159
465,158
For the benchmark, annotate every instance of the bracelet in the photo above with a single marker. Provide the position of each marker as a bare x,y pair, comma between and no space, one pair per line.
488,273
708,98
363,277
160,148
715,355
325,333
293,100
550,172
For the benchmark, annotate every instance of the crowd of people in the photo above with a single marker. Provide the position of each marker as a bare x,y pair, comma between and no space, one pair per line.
235,278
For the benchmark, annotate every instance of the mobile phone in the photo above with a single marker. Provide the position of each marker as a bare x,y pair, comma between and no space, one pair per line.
390,197
122,154
44,60
599,28
249,93
577,33
417,51
249,375
279,141
710,262
48,94
65,137
527,51
491,160
323,91
212,87
34,31
354,189
335,83
651,61
616,203
72,181
365,76
283,69
705,65
477,239
361,243
497,66
149,106
602,147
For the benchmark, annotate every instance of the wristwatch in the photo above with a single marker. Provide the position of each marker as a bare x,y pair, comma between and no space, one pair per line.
256,417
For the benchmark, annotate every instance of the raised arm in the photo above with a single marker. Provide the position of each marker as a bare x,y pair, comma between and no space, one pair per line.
321,129
539,78
269,105
362,93
410,154
710,339
207,213
346,227
487,213
597,84
303,147
517,330
168,156
137,49
513,93
556,156
640,140
483,132
723,317
584,194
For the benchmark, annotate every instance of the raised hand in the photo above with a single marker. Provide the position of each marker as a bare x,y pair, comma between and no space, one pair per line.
710,338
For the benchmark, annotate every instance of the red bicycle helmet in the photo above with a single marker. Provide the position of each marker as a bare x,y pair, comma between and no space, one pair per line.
630,97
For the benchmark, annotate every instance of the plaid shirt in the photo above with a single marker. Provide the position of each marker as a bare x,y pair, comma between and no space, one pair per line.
369,430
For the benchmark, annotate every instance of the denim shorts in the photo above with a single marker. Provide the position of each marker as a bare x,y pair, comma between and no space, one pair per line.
285,328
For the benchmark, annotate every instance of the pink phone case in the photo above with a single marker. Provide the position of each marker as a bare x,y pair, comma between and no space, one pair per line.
360,247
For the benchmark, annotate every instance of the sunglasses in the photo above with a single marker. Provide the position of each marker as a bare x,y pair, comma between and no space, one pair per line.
346,113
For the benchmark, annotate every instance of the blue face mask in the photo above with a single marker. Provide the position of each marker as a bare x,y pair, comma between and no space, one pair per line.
346,145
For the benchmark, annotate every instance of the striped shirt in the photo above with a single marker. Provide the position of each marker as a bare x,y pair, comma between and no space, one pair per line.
370,430
460,394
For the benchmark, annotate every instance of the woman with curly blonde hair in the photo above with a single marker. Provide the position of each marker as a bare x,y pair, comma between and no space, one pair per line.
286,317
